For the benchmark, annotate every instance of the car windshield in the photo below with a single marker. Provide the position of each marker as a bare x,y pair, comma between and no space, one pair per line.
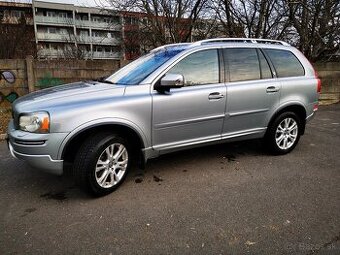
138,70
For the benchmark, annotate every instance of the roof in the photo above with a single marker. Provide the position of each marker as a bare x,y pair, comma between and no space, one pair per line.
223,41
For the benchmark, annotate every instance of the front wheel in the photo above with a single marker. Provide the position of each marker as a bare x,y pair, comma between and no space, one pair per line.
102,163
283,134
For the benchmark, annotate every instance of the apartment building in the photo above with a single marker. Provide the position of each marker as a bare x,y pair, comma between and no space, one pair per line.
71,31
66,30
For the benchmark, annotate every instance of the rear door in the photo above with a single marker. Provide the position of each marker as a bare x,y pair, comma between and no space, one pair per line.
252,91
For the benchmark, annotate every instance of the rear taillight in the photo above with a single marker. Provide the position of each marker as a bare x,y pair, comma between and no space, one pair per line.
318,88
319,85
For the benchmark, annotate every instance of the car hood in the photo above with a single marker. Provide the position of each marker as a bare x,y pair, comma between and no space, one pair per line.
68,93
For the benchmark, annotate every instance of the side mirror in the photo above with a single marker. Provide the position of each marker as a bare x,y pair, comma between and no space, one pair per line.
172,81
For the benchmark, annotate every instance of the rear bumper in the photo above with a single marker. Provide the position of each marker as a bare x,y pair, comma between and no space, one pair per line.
311,116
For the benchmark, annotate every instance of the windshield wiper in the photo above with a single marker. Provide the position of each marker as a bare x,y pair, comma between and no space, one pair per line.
107,81
104,80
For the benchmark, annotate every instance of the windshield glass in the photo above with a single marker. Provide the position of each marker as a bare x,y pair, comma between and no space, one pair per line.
138,70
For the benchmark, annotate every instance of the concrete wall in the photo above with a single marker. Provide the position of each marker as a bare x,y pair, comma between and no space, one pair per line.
31,74
55,72
19,87
330,77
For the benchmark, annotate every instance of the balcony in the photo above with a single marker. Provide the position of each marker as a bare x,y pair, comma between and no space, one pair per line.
50,53
54,20
54,37
97,40
106,41
106,55
98,25
47,53
83,39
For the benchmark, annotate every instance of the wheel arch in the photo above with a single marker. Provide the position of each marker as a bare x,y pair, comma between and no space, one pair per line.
70,146
298,108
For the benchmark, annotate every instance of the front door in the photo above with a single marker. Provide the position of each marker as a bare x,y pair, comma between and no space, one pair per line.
194,113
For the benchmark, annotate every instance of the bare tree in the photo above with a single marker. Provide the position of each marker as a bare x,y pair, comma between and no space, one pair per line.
16,40
311,25
252,18
165,21
317,24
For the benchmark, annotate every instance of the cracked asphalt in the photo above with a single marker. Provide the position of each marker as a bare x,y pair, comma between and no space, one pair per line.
224,199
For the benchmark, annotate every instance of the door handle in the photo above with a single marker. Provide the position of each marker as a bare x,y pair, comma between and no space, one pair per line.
215,96
272,89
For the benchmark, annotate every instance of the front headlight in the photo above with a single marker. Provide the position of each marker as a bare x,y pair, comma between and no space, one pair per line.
36,122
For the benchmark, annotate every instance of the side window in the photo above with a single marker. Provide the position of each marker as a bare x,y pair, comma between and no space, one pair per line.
198,68
243,64
266,73
285,63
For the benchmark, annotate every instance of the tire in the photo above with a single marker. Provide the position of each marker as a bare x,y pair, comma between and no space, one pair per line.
283,133
96,169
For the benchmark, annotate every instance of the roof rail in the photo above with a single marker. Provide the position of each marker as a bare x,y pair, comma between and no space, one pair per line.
169,45
244,40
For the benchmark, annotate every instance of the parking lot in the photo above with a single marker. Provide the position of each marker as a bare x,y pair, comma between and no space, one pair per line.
223,199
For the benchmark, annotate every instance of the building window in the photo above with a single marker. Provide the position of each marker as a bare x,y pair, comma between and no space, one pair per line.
107,20
99,49
62,15
83,33
51,30
51,14
63,31
96,19
17,14
130,21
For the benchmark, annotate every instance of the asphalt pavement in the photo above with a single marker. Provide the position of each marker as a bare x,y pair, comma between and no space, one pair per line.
223,199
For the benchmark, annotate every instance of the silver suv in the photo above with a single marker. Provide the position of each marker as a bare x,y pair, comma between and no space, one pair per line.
176,97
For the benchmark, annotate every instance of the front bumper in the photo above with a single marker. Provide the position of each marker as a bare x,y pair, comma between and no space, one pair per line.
38,150
44,162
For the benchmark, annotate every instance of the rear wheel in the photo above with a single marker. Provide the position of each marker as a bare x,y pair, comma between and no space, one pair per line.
102,163
284,133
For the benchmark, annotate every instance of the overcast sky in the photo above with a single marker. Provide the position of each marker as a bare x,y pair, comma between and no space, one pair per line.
101,3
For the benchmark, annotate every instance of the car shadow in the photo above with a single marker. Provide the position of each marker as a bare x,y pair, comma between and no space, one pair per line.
227,150
176,162
49,187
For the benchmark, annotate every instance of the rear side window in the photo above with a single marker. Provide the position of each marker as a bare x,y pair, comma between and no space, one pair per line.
285,63
243,64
